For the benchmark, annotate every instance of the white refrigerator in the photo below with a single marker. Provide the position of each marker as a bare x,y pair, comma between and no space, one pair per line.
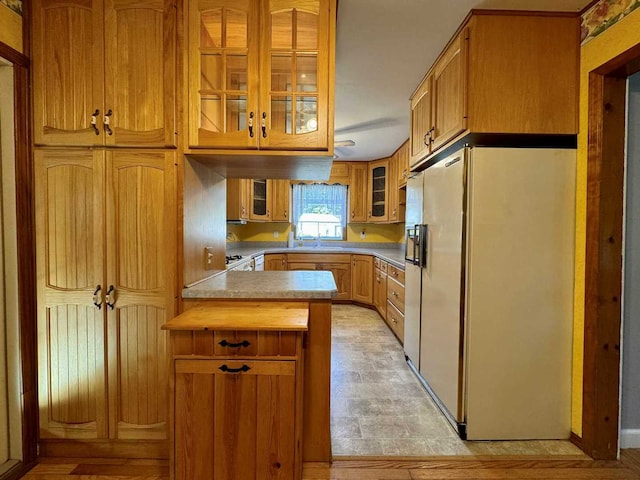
496,303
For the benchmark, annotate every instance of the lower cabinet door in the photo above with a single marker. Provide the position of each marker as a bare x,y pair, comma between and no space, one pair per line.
235,419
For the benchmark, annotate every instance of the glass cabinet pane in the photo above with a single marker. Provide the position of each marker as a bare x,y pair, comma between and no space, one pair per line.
307,69
211,29
281,112
282,30
224,70
306,114
211,72
281,69
211,113
236,23
259,197
378,179
307,31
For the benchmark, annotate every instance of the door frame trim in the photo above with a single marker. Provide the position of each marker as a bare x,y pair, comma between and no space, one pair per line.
604,247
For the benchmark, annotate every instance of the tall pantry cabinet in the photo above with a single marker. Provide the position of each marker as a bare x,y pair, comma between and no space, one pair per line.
105,168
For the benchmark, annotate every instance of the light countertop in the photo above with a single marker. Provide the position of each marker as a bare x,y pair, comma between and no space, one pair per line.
266,285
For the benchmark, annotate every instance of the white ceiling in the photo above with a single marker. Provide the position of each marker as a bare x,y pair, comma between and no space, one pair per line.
383,50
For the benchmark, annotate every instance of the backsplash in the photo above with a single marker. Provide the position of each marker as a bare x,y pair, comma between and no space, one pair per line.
15,5
264,232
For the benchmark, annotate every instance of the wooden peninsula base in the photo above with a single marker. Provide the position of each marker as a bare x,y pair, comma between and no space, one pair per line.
237,391
316,437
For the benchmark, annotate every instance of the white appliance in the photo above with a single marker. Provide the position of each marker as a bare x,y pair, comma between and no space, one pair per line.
495,346
412,271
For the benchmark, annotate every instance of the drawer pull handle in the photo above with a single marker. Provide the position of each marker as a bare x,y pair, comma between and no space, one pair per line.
243,343
243,368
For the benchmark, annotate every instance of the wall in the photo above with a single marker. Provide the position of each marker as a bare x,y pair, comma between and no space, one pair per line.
609,44
630,420
263,232
205,214
11,23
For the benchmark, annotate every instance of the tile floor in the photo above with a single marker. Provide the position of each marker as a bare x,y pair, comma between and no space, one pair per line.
379,408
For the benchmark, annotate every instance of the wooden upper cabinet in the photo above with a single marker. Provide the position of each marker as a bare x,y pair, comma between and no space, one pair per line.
378,191
260,74
397,197
403,164
68,72
504,72
421,122
104,73
449,87
358,192
238,198
280,200
140,73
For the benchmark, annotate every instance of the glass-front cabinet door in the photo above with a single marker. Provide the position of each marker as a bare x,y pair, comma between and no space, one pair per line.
260,201
294,88
223,72
378,191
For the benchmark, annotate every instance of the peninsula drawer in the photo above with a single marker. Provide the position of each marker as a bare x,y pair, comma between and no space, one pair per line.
396,273
380,264
395,293
231,343
395,319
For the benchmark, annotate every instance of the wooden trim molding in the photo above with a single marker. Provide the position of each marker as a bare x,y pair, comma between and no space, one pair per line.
26,260
603,269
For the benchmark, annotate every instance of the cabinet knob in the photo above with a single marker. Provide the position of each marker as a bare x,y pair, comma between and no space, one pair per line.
285,214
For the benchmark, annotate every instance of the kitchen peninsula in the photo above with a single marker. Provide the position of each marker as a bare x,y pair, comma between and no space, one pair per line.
289,290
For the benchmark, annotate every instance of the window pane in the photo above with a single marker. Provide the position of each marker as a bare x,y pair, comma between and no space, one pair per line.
320,211
236,113
281,114
237,72
281,68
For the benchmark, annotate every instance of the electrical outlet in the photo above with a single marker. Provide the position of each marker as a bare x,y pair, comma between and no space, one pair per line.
275,234
208,258
362,234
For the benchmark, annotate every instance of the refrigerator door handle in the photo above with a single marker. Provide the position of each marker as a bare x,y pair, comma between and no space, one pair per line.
422,245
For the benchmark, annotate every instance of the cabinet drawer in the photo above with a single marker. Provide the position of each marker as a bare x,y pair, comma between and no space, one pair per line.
395,319
242,344
396,273
395,294
319,257
380,264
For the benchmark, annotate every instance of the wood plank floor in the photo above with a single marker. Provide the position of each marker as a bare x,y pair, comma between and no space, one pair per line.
436,468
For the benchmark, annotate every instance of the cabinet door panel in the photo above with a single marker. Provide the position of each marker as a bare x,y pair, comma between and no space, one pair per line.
450,93
141,221
281,200
358,192
275,262
378,191
69,258
68,75
223,62
362,278
294,86
247,418
140,69
342,276
421,121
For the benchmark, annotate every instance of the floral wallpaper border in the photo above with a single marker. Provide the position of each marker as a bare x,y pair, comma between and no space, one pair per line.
604,14
15,5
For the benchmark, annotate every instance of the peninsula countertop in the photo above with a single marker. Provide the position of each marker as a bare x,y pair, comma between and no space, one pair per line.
266,285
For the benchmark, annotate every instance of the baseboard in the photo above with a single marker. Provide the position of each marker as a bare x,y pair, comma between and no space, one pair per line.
17,470
630,438
576,440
